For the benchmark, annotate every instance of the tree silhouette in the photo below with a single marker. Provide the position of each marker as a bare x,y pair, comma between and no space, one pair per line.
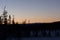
13,22
0,20
5,16
9,19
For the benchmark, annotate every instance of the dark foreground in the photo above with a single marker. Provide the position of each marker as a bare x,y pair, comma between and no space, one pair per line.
37,30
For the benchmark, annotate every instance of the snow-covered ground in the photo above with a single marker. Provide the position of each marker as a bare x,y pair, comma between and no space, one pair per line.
53,36
36,38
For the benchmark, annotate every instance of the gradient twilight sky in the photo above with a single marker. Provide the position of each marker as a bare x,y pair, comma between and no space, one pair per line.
33,10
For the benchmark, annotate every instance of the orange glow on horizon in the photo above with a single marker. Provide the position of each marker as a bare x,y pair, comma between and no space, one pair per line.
37,20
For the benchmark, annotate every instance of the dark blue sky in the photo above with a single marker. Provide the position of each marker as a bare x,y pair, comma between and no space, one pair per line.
35,10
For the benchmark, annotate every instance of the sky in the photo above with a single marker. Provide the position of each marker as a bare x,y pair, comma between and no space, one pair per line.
33,10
